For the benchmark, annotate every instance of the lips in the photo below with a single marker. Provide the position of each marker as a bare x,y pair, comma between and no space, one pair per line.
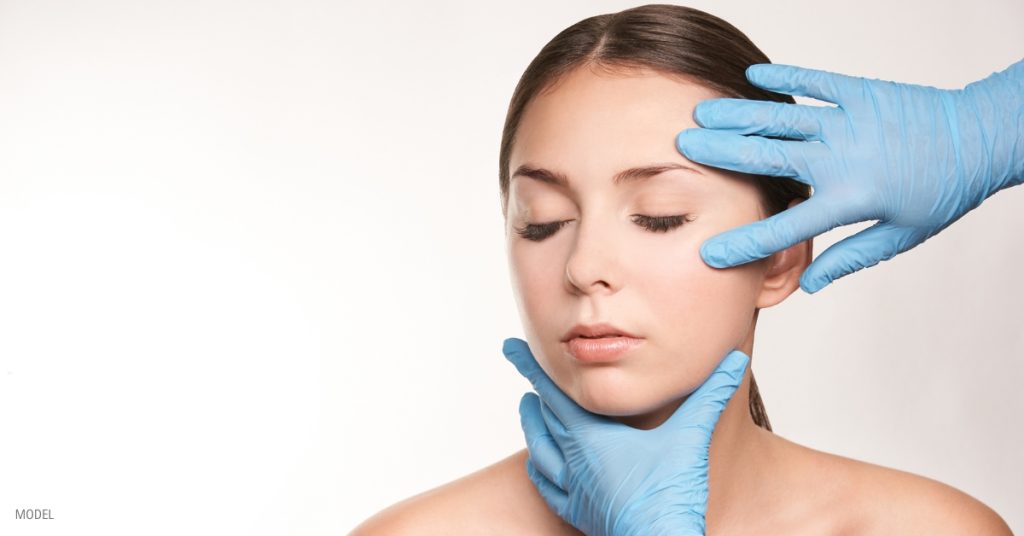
599,343
601,350
596,331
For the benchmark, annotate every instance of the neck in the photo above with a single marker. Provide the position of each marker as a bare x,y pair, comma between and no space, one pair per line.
739,455
739,459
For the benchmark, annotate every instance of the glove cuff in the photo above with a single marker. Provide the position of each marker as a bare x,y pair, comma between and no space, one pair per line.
672,525
996,103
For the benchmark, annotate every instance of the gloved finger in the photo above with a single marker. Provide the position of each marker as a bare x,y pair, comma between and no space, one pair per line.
557,498
882,241
793,80
543,449
704,406
555,427
518,352
761,238
765,118
753,154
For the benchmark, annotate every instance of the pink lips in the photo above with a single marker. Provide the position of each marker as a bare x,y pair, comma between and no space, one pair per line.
602,350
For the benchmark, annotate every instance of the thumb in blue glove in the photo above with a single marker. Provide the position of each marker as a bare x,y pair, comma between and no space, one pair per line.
607,478
914,158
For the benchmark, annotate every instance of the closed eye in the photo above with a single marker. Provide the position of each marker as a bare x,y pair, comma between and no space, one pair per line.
539,231
660,224
656,224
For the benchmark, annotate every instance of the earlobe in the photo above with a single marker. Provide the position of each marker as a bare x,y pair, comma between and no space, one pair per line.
785,267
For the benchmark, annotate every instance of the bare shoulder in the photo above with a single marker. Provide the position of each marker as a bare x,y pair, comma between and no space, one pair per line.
906,503
496,500
882,500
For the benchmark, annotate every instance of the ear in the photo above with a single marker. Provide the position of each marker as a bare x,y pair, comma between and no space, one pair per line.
785,267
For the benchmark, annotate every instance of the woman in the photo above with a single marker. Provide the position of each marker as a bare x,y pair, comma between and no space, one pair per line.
604,222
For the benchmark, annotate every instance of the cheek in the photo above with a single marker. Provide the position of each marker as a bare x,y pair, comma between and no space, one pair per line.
537,272
545,307
693,295
700,312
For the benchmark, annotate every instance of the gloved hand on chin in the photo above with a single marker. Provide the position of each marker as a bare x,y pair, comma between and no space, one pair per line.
606,478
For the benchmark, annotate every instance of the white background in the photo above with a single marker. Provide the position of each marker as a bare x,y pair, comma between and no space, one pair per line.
253,281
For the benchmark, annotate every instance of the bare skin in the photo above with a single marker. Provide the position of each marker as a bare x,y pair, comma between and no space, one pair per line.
791,490
602,266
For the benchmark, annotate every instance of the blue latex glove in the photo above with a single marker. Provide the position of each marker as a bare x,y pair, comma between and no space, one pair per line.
607,478
915,158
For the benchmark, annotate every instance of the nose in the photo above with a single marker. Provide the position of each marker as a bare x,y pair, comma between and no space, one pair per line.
592,266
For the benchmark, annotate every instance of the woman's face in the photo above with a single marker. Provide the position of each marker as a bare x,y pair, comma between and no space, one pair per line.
603,265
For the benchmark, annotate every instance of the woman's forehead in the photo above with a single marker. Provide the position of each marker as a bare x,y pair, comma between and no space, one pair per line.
616,117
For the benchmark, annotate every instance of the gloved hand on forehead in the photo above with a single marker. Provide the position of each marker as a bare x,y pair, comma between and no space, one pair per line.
607,478
914,158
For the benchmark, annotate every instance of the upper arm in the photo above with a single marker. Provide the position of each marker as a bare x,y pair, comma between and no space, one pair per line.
413,516
380,524
920,505
955,512
468,505
498,500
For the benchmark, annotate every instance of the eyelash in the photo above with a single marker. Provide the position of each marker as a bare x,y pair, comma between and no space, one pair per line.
655,224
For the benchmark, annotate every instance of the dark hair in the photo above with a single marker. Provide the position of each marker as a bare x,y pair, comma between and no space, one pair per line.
675,40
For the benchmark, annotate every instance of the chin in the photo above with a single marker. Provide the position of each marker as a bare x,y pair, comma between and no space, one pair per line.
611,392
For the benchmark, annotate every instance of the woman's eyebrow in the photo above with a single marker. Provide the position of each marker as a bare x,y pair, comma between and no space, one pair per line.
632,174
